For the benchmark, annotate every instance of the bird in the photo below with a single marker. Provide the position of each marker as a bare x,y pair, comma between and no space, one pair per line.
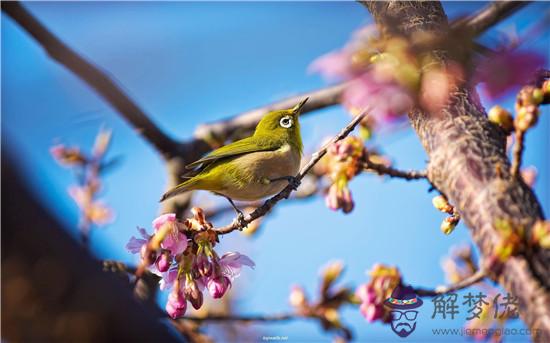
252,168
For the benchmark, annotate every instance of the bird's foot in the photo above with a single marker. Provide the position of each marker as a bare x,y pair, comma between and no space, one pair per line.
240,221
293,181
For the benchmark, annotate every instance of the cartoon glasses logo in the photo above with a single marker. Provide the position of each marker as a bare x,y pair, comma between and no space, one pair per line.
402,303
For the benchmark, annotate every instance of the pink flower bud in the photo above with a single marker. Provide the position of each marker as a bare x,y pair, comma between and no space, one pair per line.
163,262
203,266
347,201
217,286
366,293
372,312
193,294
176,305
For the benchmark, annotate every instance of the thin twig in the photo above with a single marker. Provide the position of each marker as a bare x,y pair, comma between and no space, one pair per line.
381,169
517,153
467,282
285,193
94,77
237,318
489,16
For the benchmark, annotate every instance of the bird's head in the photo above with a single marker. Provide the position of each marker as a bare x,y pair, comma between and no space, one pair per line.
282,125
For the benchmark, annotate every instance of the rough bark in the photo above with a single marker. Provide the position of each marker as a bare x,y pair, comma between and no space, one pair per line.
468,163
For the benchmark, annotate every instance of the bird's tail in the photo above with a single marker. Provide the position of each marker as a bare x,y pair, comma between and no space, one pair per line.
181,188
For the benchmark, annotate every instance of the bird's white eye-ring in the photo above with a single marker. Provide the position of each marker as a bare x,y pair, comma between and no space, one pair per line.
286,122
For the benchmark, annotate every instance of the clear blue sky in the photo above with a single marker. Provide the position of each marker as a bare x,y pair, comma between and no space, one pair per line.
185,63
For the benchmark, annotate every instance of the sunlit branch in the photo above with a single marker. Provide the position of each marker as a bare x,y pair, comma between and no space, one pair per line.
467,282
285,193
381,169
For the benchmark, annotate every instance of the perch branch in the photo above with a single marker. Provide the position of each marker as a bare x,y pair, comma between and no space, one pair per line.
285,193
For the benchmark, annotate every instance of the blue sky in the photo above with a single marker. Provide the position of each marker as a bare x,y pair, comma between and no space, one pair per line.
186,63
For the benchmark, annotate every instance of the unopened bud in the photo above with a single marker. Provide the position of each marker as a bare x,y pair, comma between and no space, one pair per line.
546,90
499,116
332,271
538,96
541,234
449,224
441,203
163,262
527,117
297,297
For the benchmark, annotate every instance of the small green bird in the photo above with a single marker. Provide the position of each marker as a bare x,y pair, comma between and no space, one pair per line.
254,167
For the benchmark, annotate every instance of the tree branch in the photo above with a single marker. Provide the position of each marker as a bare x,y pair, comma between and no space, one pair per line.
381,169
467,282
489,16
285,193
94,77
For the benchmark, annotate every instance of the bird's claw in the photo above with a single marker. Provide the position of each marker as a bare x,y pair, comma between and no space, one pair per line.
294,182
240,221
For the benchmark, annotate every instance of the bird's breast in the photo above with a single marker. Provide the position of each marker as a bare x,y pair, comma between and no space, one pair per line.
255,169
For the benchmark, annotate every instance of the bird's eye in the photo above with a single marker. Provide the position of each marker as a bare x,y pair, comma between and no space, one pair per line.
286,122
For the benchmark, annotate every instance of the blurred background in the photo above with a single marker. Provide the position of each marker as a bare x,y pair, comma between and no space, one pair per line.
193,62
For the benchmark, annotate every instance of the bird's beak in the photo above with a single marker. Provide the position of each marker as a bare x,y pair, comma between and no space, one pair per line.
298,108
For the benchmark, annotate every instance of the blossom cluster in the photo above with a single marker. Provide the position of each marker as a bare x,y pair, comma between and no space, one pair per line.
527,104
340,165
182,254
388,76
373,294
88,168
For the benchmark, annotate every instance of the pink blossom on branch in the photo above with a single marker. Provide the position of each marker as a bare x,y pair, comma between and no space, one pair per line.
506,70
182,254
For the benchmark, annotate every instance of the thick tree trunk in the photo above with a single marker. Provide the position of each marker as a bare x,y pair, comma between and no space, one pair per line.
468,163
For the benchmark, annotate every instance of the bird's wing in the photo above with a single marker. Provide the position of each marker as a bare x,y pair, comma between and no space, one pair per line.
240,147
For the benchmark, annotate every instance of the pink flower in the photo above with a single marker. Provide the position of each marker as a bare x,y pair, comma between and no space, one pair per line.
384,100
134,245
339,198
335,65
366,293
506,70
218,285
167,278
203,265
232,262
163,262
164,219
371,312
176,304
193,294
174,241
